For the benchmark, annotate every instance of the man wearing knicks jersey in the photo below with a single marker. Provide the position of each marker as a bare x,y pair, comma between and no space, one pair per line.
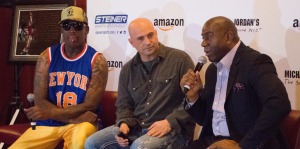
69,81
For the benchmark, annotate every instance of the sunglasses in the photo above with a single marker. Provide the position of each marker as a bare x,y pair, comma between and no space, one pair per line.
78,26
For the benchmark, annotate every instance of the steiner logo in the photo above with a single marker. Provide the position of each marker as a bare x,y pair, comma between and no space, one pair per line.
111,19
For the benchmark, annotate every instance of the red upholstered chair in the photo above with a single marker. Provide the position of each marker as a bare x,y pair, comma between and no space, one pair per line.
291,129
107,104
10,133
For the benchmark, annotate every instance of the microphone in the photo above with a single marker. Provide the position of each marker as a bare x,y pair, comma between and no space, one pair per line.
201,61
116,131
30,98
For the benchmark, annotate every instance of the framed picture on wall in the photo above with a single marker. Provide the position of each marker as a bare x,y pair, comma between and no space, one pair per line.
35,28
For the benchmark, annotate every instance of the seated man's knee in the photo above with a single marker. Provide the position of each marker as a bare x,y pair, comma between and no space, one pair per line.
100,139
81,132
146,142
89,143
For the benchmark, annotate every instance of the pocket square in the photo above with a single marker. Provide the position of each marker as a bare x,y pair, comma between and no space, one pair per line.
238,87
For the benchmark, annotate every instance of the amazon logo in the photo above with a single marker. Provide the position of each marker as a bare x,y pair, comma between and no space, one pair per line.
167,24
296,23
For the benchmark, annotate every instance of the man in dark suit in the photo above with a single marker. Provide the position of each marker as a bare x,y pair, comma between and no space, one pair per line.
243,101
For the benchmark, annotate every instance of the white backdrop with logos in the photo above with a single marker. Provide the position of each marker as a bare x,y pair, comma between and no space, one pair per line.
271,27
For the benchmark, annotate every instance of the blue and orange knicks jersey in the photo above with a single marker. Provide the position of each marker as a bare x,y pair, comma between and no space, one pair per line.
68,78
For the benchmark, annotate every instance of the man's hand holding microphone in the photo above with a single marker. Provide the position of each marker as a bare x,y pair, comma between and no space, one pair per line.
30,98
191,82
121,135
35,112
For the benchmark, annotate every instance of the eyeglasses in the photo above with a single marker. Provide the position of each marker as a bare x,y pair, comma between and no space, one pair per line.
78,26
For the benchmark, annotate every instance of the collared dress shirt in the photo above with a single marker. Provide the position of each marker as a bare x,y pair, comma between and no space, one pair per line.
219,124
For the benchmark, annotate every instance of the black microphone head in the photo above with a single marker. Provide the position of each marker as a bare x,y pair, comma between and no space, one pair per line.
202,59
30,97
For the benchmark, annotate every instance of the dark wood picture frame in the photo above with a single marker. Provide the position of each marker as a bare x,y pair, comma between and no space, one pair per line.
35,28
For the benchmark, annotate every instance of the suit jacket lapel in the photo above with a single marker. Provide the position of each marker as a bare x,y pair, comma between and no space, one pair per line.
234,68
231,79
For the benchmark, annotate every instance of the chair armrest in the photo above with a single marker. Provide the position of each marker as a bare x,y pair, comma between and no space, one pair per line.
291,129
10,133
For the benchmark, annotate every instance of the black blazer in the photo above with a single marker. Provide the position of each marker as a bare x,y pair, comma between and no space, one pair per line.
256,101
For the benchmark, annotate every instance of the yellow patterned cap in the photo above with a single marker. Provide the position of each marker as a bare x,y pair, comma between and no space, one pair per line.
73,13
